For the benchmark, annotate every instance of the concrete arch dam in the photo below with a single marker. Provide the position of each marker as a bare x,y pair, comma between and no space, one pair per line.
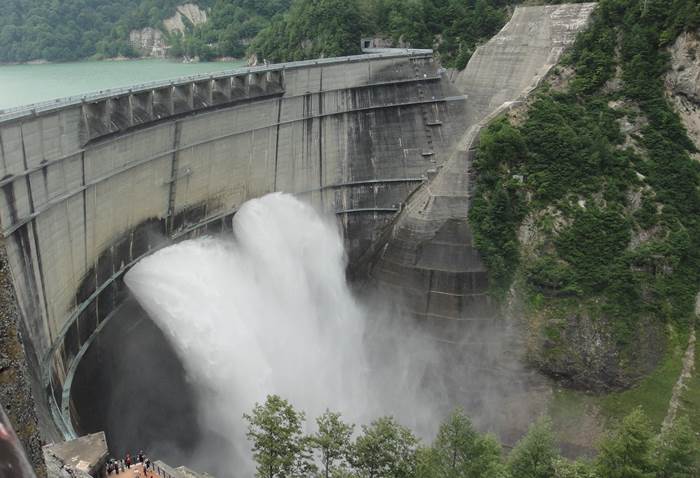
384,140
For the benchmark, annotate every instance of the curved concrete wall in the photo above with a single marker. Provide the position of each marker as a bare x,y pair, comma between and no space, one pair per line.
91,186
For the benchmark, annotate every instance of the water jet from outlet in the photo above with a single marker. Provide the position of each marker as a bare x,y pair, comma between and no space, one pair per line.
268,311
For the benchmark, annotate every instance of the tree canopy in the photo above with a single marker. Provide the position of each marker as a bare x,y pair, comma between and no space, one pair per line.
276,30
386,449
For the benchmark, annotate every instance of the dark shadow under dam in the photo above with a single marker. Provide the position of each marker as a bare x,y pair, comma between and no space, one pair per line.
132,385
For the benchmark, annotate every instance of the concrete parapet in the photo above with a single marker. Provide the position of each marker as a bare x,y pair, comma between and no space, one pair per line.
136,109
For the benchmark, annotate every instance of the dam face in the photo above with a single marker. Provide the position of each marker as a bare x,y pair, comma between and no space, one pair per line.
89,188
91,185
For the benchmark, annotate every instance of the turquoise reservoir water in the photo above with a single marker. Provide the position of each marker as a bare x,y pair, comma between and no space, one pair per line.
25,84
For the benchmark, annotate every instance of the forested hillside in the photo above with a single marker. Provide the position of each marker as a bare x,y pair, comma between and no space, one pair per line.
315,28
276,30
79,29
588,202
74,29
232,25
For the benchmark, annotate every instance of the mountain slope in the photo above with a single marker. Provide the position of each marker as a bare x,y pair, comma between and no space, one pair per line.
588,204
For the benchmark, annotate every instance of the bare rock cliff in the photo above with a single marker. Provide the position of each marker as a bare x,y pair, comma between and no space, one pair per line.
189,11
151,42
148,42
683,82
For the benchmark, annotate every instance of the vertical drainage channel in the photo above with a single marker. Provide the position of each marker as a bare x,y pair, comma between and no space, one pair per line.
429,152
173,177
320,135
277,142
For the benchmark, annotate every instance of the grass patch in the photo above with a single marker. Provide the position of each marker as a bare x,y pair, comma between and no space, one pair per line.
569,408
654,392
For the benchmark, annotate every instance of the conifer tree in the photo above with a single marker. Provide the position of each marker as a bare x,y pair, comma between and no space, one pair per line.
627,451
461,452
385,450
535,454
677,451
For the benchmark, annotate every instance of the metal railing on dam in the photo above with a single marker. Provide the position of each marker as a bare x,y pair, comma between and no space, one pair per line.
9,114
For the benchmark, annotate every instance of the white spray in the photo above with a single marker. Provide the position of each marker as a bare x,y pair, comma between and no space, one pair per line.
270,312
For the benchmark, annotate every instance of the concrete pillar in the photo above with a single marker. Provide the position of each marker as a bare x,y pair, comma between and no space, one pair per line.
256,83
202,94
162,102
94,118
120,113
141,107
182,98
275,80
238,86
221,90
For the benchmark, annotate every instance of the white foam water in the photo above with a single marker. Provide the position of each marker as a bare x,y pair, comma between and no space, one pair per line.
267,311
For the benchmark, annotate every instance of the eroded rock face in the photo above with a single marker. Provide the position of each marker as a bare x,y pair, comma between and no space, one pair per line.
191,12
148,42
580,351
151,42
683,82
16,394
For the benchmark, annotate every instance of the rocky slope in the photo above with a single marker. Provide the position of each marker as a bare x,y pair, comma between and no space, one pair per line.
188,12
587,201
16,394
152,42
148,42
683,82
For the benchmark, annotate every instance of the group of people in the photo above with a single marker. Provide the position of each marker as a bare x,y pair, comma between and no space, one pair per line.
117,466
